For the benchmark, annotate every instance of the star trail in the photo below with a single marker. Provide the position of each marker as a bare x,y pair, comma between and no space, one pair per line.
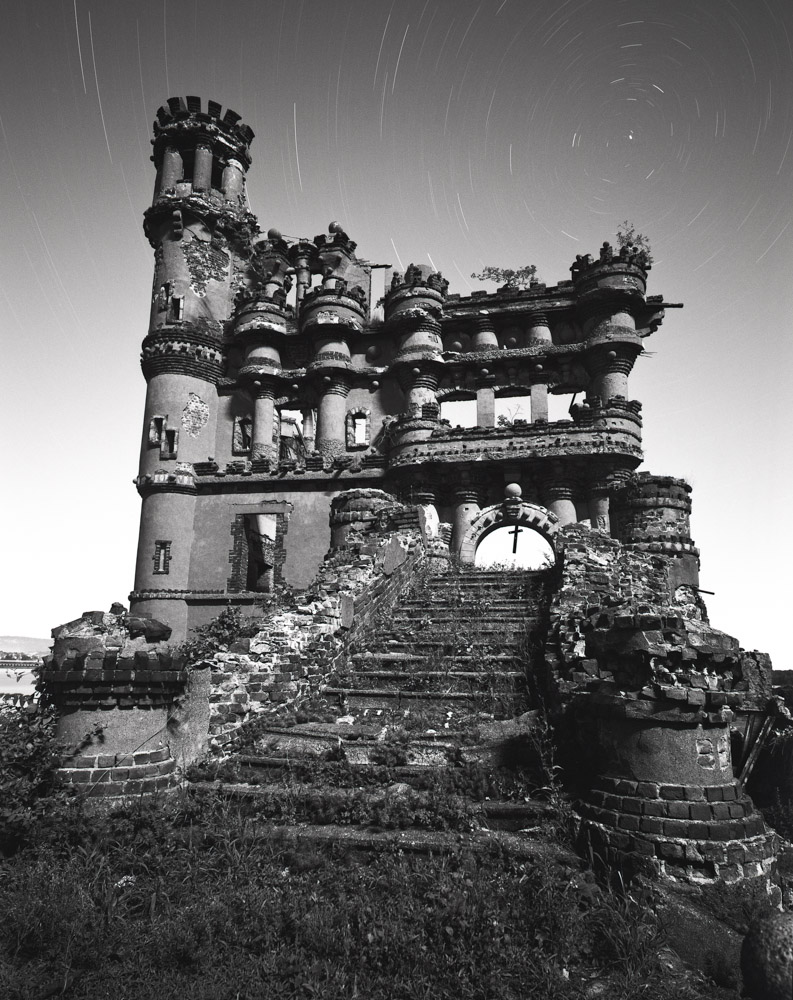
483,132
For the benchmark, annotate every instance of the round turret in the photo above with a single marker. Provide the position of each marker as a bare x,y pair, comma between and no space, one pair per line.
200,153
653,513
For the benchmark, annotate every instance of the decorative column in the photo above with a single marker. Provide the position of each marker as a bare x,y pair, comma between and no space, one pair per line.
331,435
467,505
485,400
412,309
609,291
421,388
558,496
610,370
539,395
263,419
233,181
599,507
309,433
202,166
484,335
538,330
172,169
301,256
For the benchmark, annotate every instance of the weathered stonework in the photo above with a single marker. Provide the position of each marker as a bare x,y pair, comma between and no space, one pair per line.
654,699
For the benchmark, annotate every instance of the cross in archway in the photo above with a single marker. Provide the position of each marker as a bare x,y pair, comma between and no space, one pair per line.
515,532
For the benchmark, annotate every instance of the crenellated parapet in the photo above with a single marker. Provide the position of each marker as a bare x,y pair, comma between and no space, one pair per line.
206,149
416,296
613,277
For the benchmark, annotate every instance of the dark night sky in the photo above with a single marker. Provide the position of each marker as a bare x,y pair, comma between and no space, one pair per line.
459,133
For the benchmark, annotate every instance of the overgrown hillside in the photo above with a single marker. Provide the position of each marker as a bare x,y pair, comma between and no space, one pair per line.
196,896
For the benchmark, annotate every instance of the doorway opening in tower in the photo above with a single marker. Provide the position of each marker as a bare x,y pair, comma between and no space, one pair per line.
515,546
260,536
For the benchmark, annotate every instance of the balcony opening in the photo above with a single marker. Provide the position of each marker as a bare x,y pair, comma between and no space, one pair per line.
559,406
512,409
459,412
290,443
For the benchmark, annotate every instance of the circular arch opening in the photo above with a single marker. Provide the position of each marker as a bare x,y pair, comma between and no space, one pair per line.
514,546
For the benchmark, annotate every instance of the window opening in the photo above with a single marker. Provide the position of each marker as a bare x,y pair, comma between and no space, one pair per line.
168,443
156,427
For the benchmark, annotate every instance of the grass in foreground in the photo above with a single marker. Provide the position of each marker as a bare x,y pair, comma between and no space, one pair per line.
191,897
188,898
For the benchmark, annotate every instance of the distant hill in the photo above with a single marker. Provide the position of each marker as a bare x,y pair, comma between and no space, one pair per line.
24,644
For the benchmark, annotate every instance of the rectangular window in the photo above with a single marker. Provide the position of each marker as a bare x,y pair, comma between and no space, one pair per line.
162,557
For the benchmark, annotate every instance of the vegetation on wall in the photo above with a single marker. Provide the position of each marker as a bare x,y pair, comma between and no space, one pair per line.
629,238
520,277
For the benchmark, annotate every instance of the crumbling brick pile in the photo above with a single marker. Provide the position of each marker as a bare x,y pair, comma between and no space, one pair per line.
655,700
112,660
296,649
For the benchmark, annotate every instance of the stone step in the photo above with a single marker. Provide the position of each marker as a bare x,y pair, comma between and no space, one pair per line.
484,632
408,658
523,846
437,649
428,680
318,804
425,734
427,749
485,618
450,600
391,698
500,577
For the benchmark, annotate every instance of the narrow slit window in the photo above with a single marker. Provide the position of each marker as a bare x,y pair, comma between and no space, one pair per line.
156,429
169,443
162,557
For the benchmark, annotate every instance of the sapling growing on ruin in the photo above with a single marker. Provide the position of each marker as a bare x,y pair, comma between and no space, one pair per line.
517,278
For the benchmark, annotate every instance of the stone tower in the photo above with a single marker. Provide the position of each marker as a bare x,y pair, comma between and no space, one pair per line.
198,226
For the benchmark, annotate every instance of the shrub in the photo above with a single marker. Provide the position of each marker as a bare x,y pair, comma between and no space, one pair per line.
217,635
29,758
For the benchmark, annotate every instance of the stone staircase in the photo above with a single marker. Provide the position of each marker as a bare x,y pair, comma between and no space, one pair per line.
458,643
430,727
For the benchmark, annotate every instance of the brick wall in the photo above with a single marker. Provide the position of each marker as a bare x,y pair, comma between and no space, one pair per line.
298,647
104,661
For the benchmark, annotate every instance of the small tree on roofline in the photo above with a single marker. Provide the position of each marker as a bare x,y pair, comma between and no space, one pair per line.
520,277
628,237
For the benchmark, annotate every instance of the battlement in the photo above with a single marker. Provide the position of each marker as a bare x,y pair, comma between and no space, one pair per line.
199,153
182,115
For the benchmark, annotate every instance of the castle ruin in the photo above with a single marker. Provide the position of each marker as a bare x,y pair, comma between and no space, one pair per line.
294,437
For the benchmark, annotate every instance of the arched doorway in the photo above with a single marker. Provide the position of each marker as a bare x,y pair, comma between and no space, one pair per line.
514,547
515,533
